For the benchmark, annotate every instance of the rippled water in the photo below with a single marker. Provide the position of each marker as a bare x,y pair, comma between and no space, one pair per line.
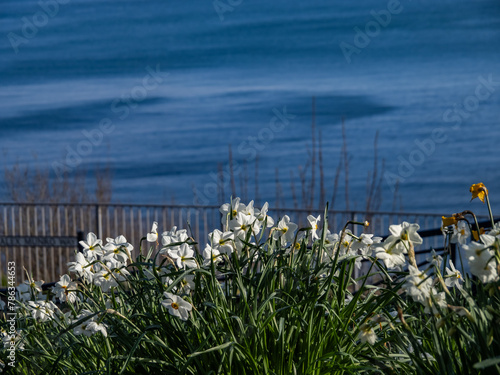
221,80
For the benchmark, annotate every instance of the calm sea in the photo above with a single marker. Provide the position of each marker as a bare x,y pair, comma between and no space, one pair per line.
424,74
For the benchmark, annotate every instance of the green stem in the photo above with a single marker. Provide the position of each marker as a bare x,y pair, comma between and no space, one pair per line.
477,224
489,210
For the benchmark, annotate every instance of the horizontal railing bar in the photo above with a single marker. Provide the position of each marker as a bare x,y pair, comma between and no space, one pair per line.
354,212
437,231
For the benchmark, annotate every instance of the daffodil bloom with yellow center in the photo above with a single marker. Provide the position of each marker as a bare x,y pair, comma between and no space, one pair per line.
478,191
313,222
285,230
176,306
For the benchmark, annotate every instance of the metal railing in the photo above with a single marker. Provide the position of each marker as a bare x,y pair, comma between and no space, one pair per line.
134,221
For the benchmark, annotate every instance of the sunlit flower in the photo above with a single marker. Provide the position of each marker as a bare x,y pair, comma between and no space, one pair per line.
417,285
431,304
222,241
478,191
313,222
461,233
263,217
81,267
184,257
29,289
92,247
177,306
481,258
105,280
230,210
453,277
243,224
89,327
42,310
211,255
435,259
285,230
153,234
172,239
405,234
118,249
390,253
94,327
65,289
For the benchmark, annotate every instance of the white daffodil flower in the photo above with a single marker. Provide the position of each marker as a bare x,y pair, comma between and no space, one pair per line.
230,210
435,259
153,234
313,222
390,253
89,327
65,289
481,258
105,280
331,239
367,334
285,230
263,217
29,290
461,233
42,310
404,234
177,306
417,285
437,300
211,255
243,224
184,257
222,241
92,247
81,266
172,239
186,285
93,327
453,277
118,249
12,340
249,209
362,242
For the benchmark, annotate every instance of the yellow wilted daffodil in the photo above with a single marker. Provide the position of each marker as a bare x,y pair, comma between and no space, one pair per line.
447,221
478,191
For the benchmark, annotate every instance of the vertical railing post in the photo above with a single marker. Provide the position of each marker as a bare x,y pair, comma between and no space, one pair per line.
98,219
80,236
453,254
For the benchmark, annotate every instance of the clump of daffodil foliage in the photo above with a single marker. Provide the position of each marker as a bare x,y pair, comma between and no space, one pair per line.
266,297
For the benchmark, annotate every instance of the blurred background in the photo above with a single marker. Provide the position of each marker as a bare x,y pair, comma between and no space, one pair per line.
282,101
